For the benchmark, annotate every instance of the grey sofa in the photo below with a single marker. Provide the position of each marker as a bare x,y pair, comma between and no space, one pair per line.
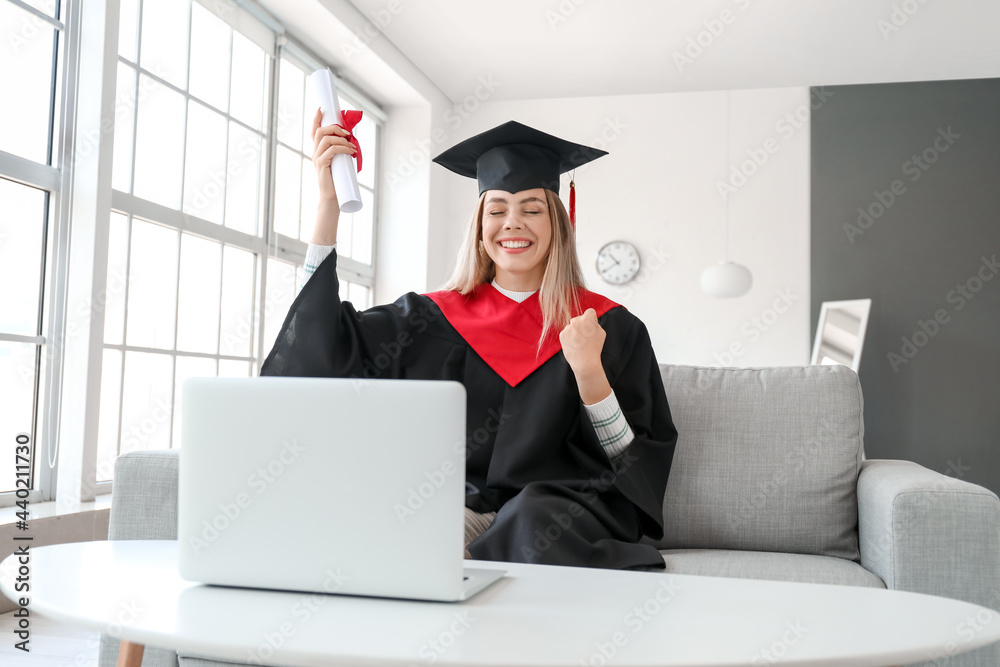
769,481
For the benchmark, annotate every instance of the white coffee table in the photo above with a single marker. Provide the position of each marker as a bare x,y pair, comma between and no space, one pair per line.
538,615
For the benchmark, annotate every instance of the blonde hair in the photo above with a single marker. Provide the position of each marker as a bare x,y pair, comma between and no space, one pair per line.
557,295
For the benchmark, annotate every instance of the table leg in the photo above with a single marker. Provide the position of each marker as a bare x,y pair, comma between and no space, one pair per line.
129,654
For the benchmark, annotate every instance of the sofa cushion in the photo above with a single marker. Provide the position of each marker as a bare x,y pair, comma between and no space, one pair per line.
767,459
768,565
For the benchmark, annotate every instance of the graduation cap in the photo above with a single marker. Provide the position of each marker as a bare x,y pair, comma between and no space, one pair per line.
514,157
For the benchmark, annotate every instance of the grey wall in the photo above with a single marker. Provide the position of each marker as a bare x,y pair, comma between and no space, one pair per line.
937,403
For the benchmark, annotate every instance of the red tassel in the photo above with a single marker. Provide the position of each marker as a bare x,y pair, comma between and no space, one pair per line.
572,204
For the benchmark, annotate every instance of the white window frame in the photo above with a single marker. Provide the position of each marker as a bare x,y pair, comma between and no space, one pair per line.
77,254
55,180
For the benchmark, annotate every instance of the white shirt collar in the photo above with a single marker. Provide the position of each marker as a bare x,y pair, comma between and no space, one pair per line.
516,296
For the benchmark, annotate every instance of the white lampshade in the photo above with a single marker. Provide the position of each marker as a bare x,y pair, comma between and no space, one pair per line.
726,279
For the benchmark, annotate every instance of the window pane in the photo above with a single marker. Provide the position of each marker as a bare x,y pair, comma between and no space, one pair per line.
280,293
229,368
27,69
345,233
287,191
210,50
198,301
125,98
236,336
127,29
245,174
107,430
45,6
152,286
187,367
22,213
205,160
164,46
310,200
114,301
361,247
146,405
17,391
159,144
366,133
358,295
249,82
290,99
344,291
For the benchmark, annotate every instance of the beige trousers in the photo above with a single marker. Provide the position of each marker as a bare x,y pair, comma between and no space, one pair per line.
475,525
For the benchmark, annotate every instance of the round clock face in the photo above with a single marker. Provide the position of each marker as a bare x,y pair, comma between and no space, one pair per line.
618,262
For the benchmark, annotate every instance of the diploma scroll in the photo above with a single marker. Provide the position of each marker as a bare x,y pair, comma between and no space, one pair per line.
343,167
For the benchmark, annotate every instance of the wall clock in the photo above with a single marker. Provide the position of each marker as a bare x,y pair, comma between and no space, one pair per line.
618,262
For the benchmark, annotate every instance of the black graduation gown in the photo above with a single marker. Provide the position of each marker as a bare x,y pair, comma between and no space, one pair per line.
532,455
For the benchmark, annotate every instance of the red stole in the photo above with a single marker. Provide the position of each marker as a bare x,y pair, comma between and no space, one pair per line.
504,332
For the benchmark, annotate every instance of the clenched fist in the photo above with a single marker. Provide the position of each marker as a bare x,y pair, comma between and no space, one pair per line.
582,341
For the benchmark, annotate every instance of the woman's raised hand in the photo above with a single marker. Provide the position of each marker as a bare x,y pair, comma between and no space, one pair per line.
327,142
582,341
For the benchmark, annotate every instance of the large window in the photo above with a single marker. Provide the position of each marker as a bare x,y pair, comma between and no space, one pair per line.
212,204
30,54
295,192
22,260
186,232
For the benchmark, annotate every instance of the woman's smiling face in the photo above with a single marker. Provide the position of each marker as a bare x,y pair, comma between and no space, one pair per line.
517,232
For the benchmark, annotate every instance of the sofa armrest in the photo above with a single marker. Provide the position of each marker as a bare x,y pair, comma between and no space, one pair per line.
144,497
929,533
925,532
143,507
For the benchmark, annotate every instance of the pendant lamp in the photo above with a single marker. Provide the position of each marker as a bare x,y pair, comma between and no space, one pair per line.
726,279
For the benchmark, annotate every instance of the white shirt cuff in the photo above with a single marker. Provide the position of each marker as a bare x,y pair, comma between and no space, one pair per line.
315,254
613,430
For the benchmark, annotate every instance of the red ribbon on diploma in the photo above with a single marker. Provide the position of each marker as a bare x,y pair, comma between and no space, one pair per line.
349,120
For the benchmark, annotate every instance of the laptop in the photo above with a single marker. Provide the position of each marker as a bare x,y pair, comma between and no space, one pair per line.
326,485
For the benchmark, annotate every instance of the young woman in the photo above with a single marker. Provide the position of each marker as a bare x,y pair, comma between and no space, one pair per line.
570,437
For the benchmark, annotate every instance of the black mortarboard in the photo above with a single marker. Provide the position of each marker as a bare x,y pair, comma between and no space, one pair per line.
514,157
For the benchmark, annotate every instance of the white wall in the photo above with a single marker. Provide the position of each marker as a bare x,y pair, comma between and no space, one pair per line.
658,189
414,224
403,207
